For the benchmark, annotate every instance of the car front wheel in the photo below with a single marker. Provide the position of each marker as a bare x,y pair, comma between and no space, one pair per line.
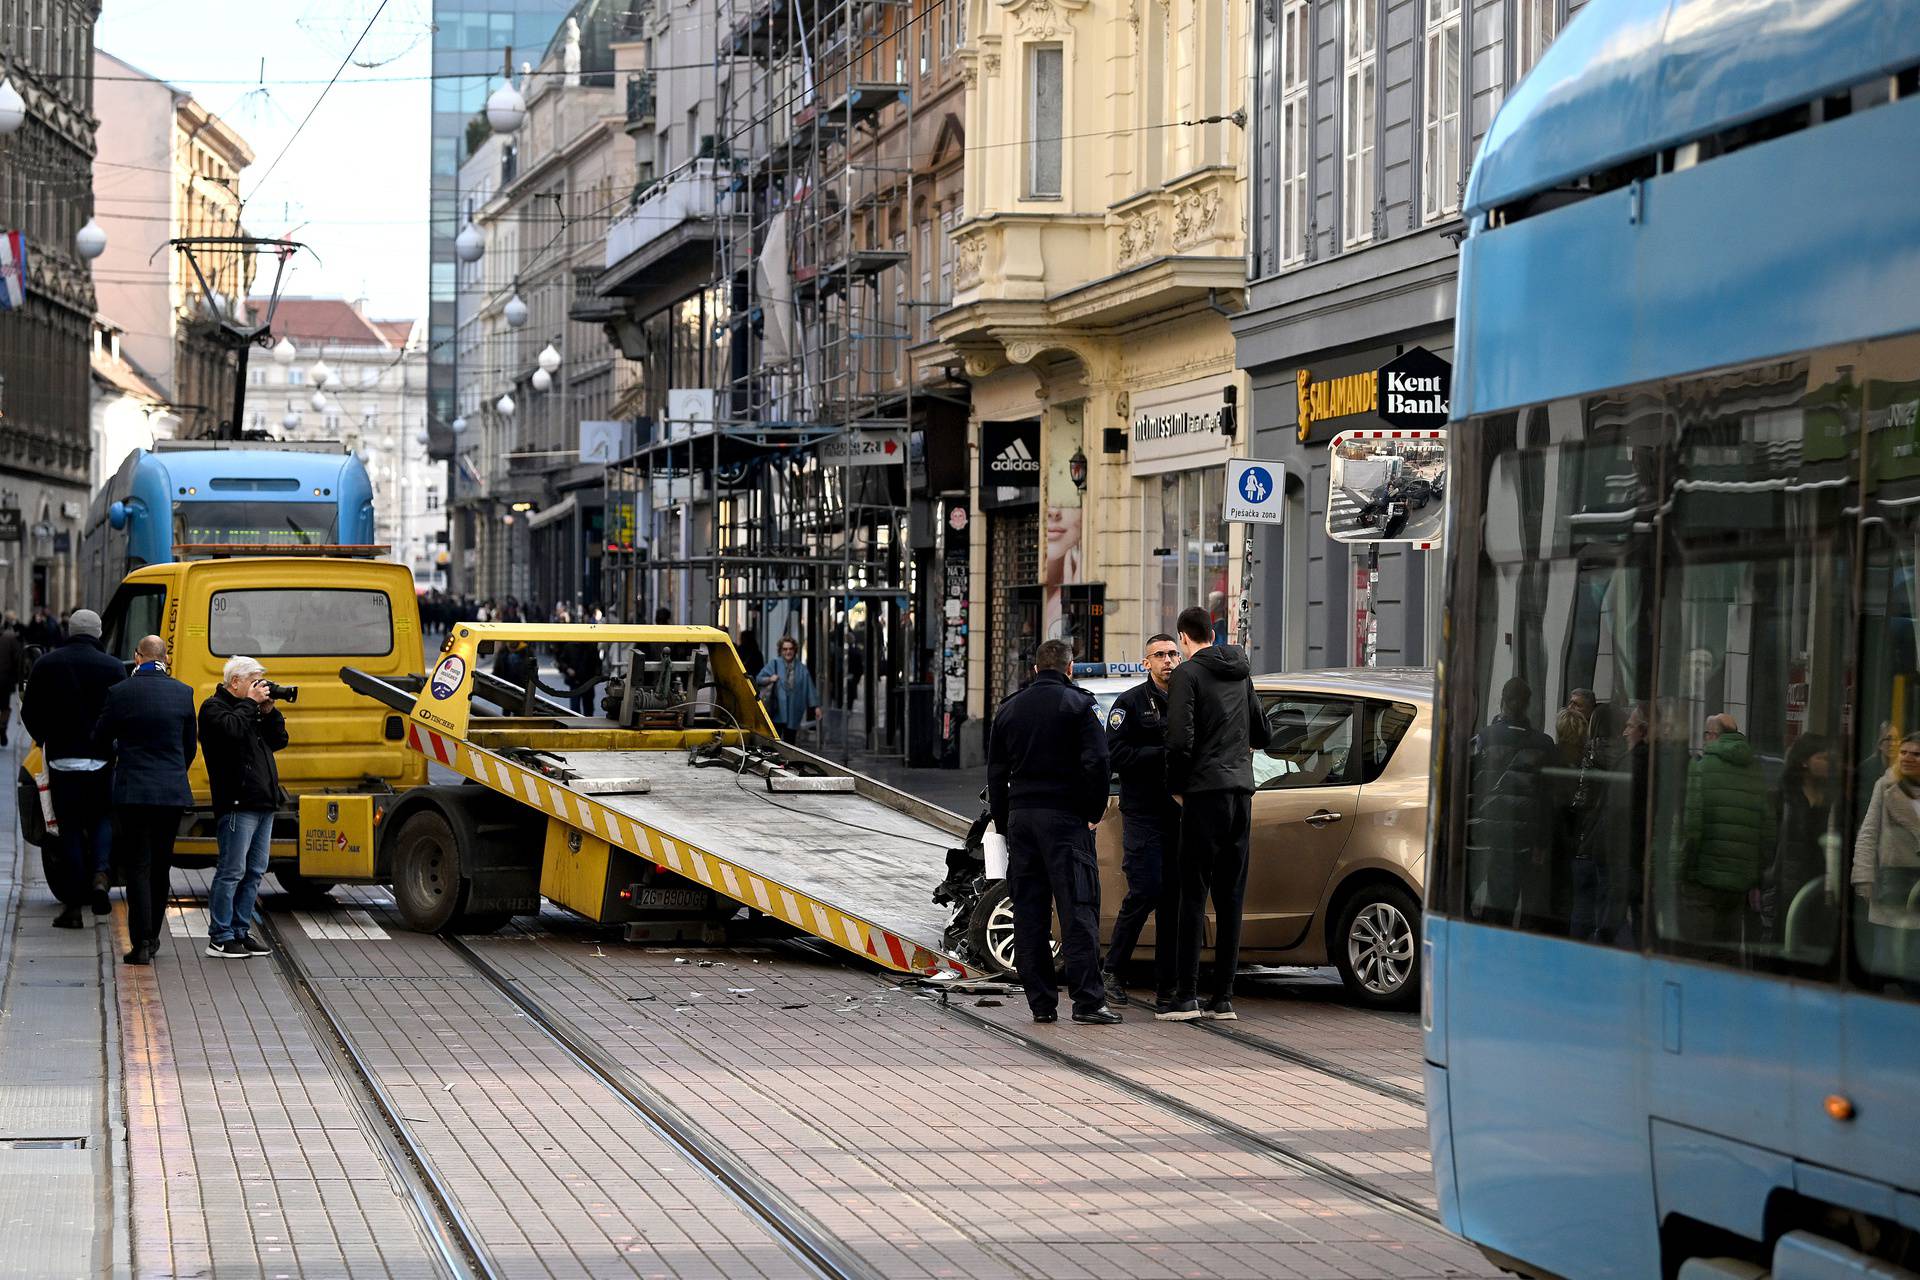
990,932
1377,947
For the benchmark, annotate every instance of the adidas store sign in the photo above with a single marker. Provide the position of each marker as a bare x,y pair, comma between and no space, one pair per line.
1010,454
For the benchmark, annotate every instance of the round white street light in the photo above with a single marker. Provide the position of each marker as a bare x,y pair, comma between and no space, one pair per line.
549,359
284,352
542,380
457,425
506,109
318,374
13,107
469,244
505,405
90,241
291,420
319,403
420,437
515,312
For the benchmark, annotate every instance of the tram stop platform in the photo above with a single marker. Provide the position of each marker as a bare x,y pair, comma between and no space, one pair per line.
548,1101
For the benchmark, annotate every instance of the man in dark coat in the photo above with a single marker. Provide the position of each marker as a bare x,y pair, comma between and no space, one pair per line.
62,703
1214,722
240,729
1509,817
147,730
1729,831
13,660
1150,825
1047,786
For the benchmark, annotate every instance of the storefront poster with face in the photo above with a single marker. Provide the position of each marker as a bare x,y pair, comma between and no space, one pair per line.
1062,567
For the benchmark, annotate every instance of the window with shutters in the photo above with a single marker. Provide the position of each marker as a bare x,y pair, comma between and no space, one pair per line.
1294,80
1358,123
1442,138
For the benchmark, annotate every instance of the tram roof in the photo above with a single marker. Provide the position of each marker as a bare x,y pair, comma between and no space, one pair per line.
1632,77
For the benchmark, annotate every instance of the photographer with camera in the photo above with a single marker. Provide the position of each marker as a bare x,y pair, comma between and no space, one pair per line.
240,729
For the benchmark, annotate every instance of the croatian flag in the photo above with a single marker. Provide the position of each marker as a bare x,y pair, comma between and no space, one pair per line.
13,270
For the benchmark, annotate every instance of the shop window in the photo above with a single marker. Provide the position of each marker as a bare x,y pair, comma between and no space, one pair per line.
1188,542
1045,118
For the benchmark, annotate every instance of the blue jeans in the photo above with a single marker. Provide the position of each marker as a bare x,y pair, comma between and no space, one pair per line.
246,840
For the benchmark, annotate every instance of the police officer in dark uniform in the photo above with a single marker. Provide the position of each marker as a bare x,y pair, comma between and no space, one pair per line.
1150,824
1047,787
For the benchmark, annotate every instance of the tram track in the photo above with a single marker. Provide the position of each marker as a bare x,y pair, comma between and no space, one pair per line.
459,1248
455,1241
1314,1062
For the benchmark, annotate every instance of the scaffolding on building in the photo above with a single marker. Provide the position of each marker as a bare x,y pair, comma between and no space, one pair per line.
796,455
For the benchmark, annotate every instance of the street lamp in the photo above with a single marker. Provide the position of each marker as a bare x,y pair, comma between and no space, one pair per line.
284,352
505,406
319,403
90,241
469,244
318,374
542,380
1077,469
549,359
457,426
515,311
506,108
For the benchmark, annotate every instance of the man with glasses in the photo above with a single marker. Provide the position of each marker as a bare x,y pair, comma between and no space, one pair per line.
1150,824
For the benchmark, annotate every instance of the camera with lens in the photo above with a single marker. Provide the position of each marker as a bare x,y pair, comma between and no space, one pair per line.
282,692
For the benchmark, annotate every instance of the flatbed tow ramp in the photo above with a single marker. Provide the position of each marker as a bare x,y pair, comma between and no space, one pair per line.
663,816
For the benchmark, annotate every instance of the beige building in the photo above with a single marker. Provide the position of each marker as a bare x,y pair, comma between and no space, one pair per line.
166,167
1101,255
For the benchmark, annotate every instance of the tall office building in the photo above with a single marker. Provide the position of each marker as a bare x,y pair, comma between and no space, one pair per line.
470,41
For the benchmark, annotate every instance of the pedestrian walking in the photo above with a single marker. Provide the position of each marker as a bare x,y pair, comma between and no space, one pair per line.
579,664
147,731
13,662
62,703
1214,722
786,686
1047,771
1149,826
240,729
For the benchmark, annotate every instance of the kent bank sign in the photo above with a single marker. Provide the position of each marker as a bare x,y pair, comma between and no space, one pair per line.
1412,391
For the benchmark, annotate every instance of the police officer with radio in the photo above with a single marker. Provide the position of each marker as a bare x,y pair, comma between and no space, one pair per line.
1047,772
1150,825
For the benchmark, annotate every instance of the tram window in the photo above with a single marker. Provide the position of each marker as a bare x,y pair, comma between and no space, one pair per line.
1550,596
1756,575
1882,875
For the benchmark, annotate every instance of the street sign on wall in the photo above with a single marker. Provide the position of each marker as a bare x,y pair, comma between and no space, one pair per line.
13,527
863,449
1255,491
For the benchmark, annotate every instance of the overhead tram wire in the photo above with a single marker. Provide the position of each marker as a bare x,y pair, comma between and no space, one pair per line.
299,128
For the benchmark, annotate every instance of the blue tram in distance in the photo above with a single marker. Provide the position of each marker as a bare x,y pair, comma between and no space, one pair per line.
196,494
1672,1020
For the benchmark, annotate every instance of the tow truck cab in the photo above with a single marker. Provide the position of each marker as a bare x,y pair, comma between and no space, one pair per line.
303,618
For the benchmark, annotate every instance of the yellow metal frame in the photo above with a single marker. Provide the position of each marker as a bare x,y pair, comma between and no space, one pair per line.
445,702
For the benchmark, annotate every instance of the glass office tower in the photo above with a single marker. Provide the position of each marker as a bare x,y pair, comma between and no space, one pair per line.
470,41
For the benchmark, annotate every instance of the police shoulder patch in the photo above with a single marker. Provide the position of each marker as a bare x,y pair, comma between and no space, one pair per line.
1118,718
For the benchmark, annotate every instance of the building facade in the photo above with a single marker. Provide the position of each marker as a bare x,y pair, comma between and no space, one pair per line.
1097,262
46,174
368,377
472,39
530,483
167,168
1365,117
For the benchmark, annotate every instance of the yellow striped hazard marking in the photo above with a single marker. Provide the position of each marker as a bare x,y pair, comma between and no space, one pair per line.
804,912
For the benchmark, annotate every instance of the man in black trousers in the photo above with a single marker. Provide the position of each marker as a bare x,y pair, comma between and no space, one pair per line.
1150,826
61,704
147,730
1047,787
1214,722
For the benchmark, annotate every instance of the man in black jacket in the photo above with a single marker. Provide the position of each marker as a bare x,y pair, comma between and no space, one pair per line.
1150,825
240,729
13,658
1214,722
147,731
1047,786
62,702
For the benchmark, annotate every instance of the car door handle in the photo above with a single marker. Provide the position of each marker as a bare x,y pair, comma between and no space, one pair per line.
1321,817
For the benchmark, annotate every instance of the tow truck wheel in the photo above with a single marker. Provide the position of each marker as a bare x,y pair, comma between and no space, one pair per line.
427,884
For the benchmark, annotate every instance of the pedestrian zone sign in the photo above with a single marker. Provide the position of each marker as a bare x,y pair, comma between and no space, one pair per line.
1255,491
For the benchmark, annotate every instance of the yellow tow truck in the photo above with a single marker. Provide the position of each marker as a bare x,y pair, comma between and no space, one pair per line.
302,616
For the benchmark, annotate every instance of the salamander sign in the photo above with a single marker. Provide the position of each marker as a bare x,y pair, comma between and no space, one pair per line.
1414,390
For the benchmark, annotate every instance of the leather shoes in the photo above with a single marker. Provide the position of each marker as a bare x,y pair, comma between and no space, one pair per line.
1116,989
139,954
1101,1017
1046,1017
68,919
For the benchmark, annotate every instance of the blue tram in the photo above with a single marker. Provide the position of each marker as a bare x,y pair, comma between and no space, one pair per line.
1673,930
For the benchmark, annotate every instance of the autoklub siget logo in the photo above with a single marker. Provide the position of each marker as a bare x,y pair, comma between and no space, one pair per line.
447,676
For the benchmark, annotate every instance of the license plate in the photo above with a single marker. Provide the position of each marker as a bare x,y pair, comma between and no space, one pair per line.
673,900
